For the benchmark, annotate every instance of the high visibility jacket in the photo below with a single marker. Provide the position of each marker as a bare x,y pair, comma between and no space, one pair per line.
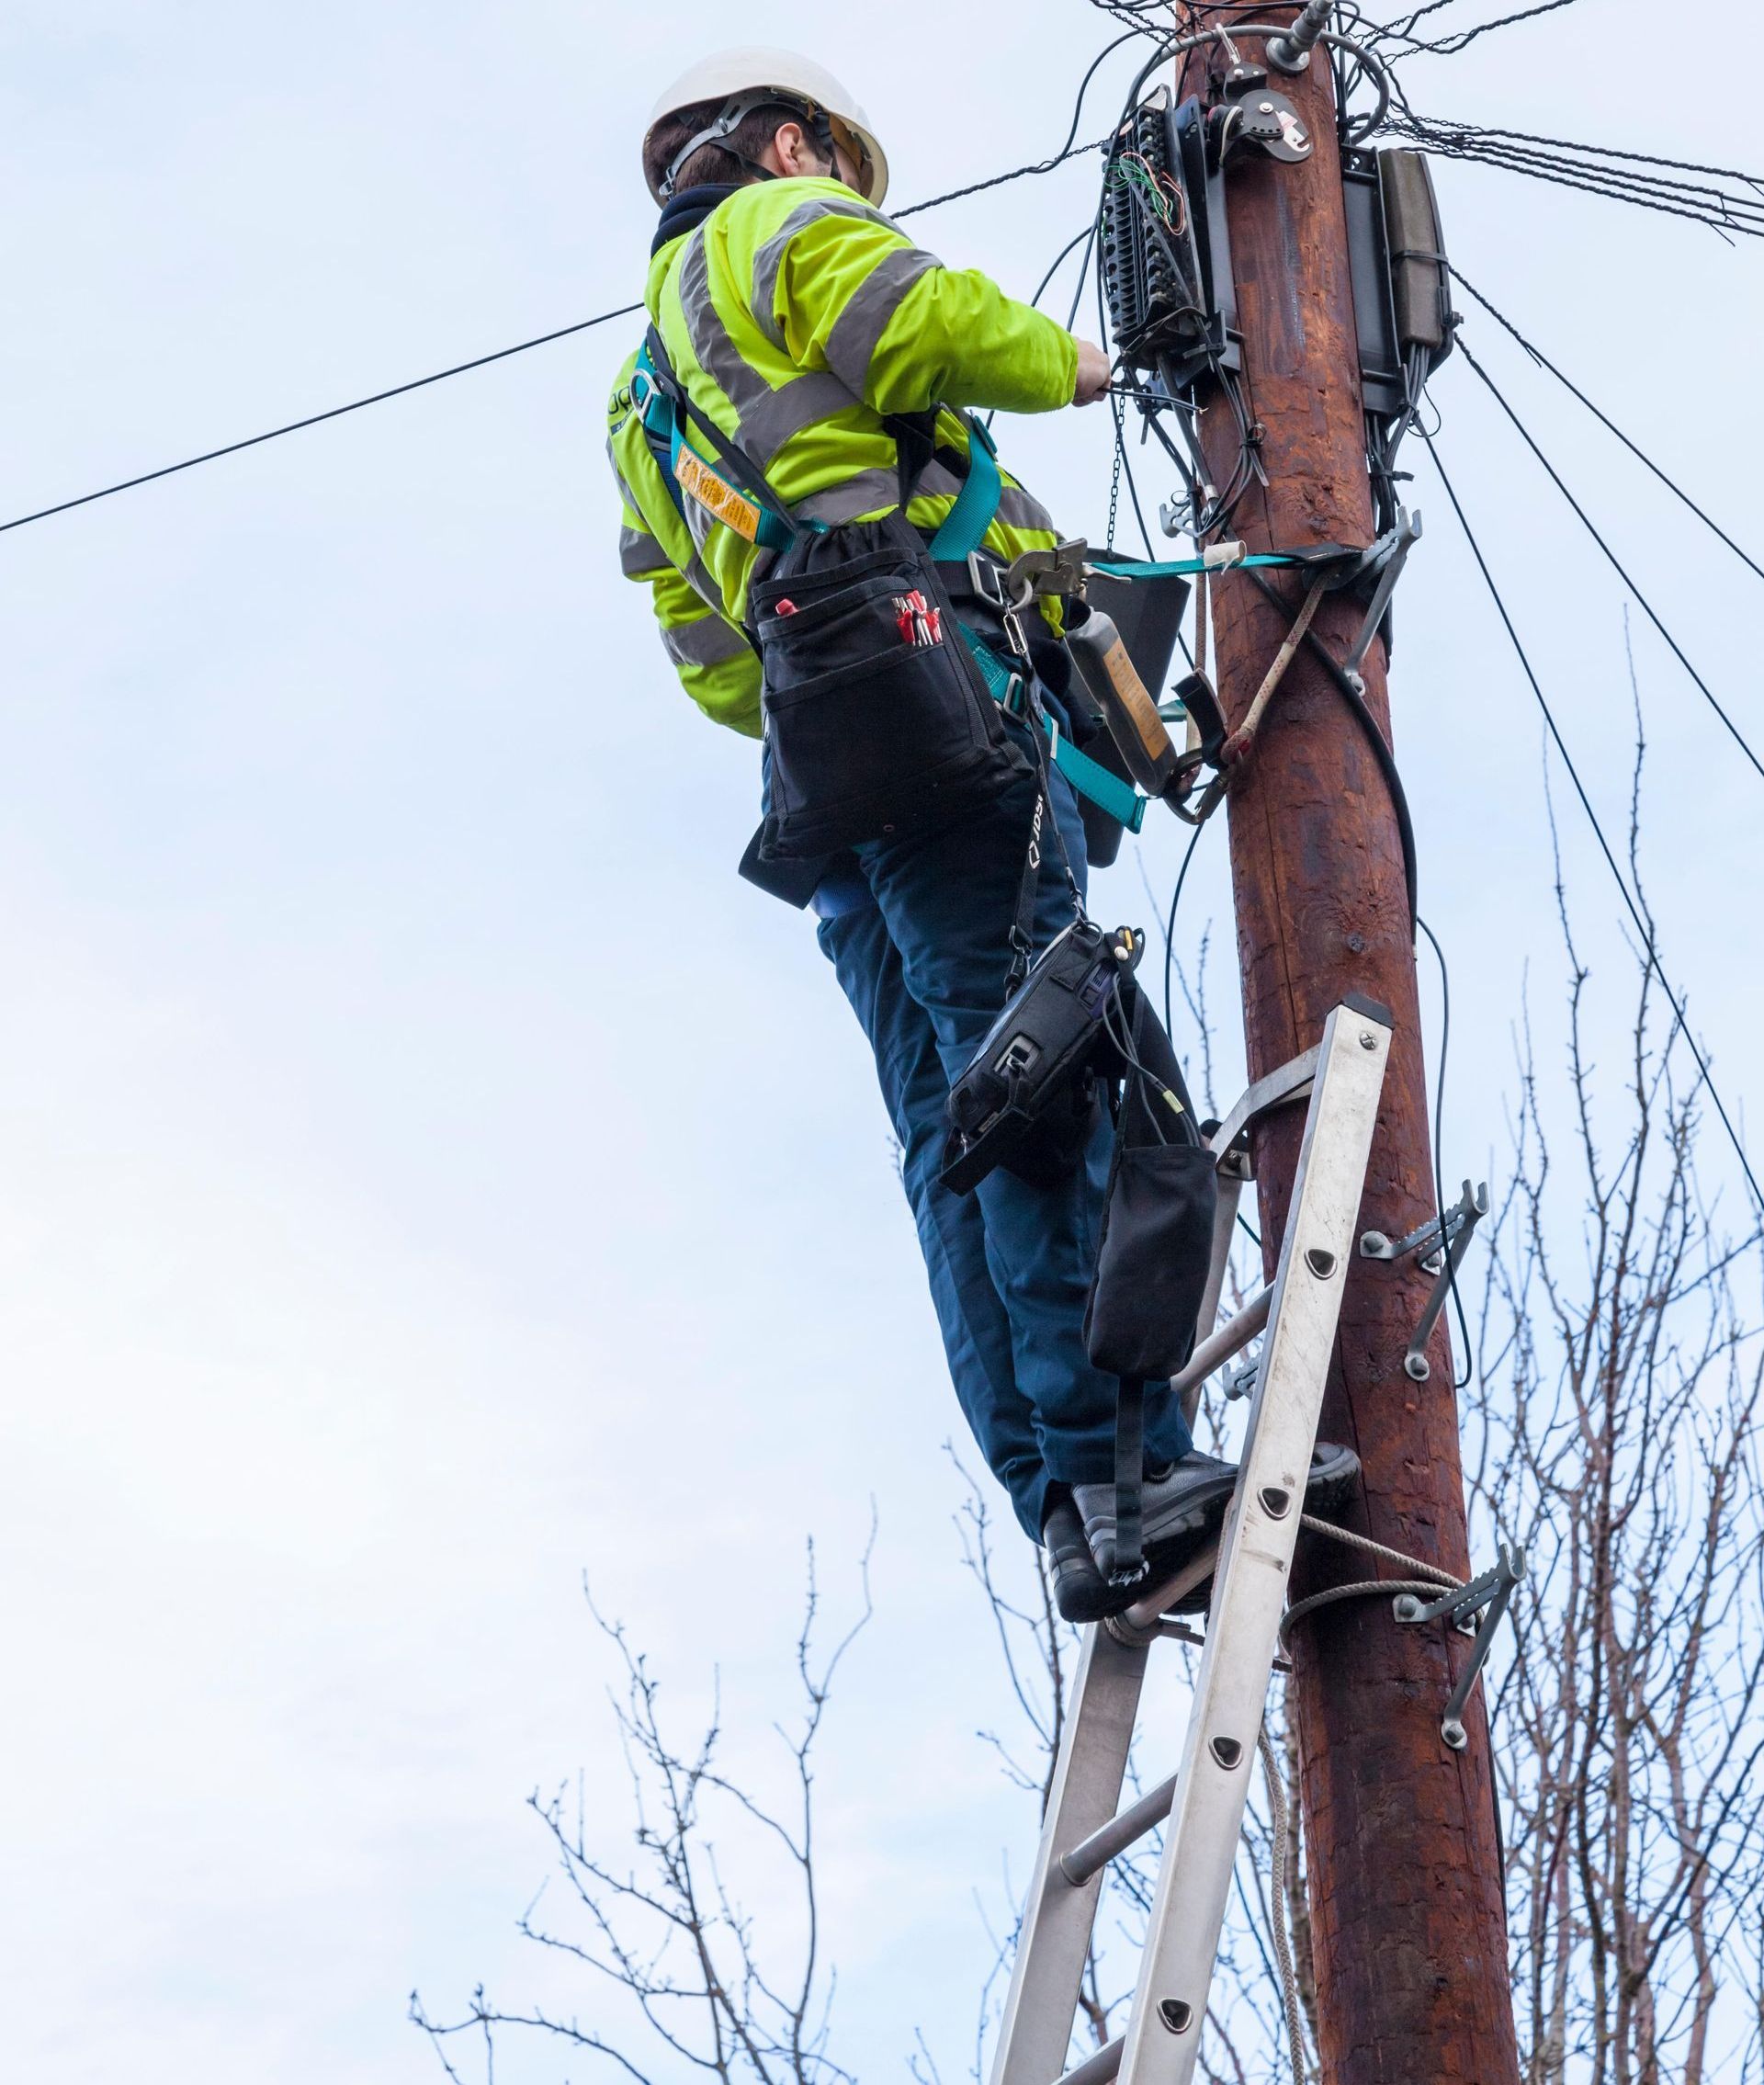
796,316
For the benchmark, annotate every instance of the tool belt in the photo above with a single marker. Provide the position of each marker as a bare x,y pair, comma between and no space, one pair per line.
877,720
878,716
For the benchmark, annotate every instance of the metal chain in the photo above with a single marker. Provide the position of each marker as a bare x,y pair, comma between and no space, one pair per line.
1115,487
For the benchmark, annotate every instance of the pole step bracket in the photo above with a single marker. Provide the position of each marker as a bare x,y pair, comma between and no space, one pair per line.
1439,1246
1489,1596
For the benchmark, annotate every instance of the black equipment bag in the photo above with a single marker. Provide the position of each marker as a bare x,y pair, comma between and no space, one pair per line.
876,717
877,720
1158,1220
1029,1097
1152,1261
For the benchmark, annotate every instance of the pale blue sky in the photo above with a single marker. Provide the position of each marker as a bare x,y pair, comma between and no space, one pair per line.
428,1171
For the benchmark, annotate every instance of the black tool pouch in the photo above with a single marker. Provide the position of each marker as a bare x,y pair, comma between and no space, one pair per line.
877,720
1029,1098
876,717
1157,1237
1151,1263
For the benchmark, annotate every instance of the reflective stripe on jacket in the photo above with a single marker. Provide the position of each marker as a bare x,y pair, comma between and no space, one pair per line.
798,316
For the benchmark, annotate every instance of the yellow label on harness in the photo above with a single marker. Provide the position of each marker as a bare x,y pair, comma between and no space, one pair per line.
734,509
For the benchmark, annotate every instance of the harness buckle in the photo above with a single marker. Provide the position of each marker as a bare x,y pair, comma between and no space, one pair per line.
985,576
649,398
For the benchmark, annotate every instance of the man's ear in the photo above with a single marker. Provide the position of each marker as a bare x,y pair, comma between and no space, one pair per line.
793,152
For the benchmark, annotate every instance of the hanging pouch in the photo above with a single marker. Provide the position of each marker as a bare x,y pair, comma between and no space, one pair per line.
876,714
1157,1237
1151,1265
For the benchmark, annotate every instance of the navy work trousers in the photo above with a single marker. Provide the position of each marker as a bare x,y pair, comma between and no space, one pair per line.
918,933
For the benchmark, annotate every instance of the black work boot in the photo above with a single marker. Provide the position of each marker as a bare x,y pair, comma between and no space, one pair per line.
1080,1592
1184,1503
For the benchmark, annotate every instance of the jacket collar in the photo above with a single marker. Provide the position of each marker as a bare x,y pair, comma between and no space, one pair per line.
687,210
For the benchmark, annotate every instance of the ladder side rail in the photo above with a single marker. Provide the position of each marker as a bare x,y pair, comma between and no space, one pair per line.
1054,1938
1162,2041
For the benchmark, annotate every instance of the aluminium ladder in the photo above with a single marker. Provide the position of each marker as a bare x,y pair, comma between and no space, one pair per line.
1204,1801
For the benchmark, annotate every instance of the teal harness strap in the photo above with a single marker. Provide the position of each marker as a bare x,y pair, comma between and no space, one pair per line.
1185,568
976,504
1119,800
1091,778
962,533
662,422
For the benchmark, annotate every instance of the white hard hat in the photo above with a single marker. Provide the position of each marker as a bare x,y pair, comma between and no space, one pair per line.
754,69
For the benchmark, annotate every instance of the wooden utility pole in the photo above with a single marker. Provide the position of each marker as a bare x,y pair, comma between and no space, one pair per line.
1407,1916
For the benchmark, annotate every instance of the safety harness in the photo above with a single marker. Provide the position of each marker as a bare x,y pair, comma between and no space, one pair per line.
734,491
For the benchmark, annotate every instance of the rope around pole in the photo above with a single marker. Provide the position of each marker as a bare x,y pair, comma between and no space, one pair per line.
1427,1587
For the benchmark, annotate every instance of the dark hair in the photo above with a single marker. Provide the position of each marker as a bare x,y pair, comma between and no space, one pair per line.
719,163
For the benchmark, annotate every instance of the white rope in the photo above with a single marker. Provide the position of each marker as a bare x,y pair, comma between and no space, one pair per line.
1371,1548
1277,1908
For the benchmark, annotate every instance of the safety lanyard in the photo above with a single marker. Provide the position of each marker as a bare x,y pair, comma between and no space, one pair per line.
1186,568
961,534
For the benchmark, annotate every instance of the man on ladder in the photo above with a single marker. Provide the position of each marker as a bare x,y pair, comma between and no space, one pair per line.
800,388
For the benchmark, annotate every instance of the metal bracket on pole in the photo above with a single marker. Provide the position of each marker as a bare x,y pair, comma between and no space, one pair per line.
1492,1593
1439,1245
1386,558
1292,52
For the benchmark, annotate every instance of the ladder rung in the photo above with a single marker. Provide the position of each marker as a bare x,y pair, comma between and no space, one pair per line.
1231,1338
1145,1611
1090,1855
1100,2068
1291,1083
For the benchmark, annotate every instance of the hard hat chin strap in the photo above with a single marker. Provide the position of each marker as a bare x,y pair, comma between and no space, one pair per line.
733,114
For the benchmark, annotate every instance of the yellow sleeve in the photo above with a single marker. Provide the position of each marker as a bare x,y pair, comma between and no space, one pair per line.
716,665
854,295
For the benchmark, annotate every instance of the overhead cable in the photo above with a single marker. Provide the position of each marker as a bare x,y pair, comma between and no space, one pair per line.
998,180
1605,421
481,361
1612,558
1643,179
1455,41
1642,926
314,419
